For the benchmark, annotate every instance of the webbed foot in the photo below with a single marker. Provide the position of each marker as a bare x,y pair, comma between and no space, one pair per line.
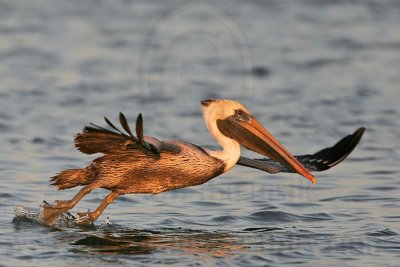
50,212
83,218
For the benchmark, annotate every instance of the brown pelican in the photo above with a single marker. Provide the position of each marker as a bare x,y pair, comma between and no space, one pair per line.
143,164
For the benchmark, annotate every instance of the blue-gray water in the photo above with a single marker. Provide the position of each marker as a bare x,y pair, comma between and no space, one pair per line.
311,71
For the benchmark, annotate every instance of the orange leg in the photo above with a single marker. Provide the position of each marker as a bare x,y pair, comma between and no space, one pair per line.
89,217
50,212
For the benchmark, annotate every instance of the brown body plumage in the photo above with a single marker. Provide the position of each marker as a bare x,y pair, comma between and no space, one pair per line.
177,165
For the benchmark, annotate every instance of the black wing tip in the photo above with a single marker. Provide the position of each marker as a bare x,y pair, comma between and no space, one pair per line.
340,151
359,132
354,139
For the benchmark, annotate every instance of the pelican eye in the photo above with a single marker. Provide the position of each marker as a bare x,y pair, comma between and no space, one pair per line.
240,114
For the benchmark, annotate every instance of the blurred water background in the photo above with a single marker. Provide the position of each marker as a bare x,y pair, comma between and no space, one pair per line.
311,71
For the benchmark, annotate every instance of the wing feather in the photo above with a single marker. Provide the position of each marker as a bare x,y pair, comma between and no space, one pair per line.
97,139
112,125
139,128
125,125
319,161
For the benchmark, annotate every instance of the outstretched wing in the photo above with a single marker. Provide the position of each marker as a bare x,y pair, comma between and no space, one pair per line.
97,139
320,161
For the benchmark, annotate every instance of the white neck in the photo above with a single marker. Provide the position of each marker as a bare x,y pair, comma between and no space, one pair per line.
230,152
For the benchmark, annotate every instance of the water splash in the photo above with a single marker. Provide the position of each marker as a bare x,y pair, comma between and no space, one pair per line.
65,219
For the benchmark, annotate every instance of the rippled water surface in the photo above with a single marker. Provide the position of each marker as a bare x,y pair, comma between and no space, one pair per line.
311,71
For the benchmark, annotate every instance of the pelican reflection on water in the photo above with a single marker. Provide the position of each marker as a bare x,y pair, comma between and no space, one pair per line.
142,164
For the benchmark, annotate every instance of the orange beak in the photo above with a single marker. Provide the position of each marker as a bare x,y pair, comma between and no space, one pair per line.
252,135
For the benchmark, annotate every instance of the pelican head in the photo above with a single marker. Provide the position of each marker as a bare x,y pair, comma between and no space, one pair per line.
234,121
